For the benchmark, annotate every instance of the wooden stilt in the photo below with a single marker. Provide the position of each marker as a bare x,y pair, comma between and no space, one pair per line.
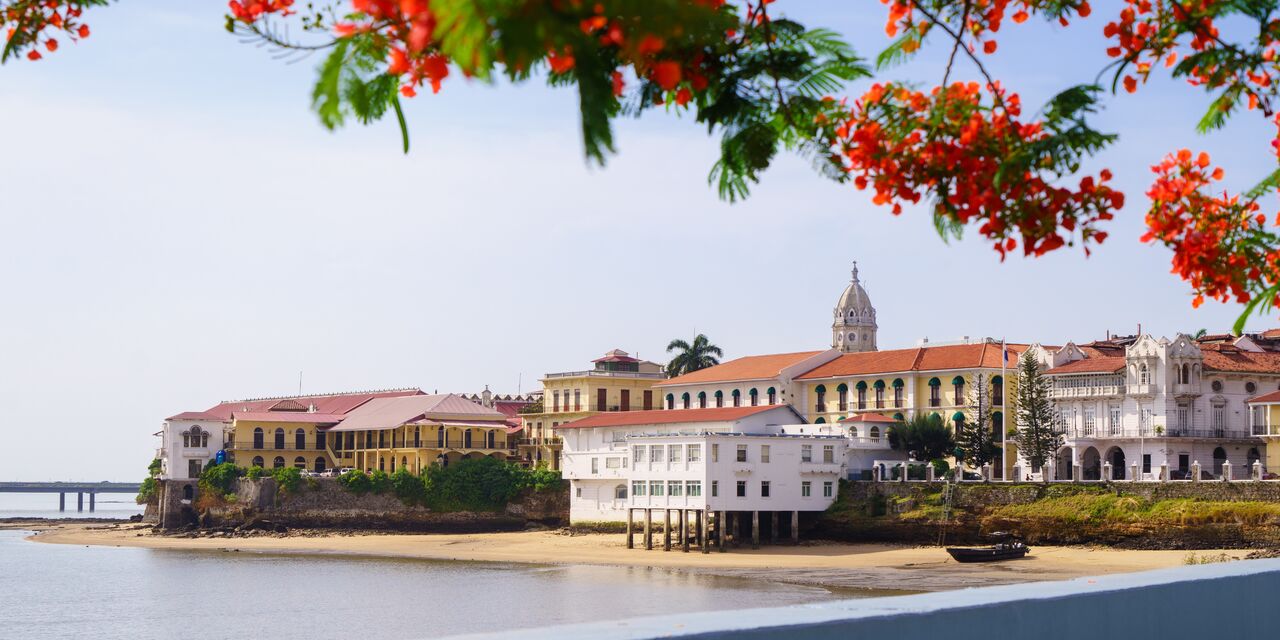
720,531
755,529
648,529
631,543
666,529
795,527
773,527
684,530
701,529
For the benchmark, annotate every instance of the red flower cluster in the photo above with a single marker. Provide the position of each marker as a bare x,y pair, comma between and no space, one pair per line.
1221,244
29,23
977,18
950,145
1151,32
250,10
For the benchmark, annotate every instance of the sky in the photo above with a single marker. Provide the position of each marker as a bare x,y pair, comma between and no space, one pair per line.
177,229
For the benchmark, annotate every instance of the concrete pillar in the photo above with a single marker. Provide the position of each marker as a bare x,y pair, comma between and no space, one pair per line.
875,474
986,472
928,473
1257,470
1164,472
1226,471
79,501
648,529
666,530
773,527
735,527
62,501
1106,471
684,530
1075,473
1195,471
795,527
755,529
959,471
1133,470
92,500
720,531
700,529
1017,473
631,544
903,476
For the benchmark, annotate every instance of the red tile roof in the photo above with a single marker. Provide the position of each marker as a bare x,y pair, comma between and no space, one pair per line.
1100,364
1271,333
1235,360
1274,396
673,416
923,358
338,403
301,417
869,417
745,368
197,415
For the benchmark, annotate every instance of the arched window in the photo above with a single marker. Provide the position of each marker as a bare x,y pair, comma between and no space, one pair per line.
754,396
897,393
382,463
257,461
957,384
393,464
319,465
997,426
439,437
417,437
853,432
620,492
997,391
935,392
879,387
684,400
899,417
186,438
279,438
257,438
299,439
719,399
875,433
820,401
820,421
737,398
300,462
842,397
404,463
1144,375
671,401
702,399
1185,377
958,419
466,441
862,394
773,395
278,463
188,493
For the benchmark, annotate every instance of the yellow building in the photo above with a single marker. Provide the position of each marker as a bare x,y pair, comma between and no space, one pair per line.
616,382
903,383
1264,422
414,432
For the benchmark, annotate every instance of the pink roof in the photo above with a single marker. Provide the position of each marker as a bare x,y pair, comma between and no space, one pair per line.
1266,398
1099,364
336,403
869,417
198,415
672,416
300,417
388,413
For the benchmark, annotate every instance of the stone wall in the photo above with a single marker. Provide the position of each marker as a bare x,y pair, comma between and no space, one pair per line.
912,512
324,503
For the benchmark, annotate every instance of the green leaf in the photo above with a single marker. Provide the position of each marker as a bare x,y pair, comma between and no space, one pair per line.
1269,183
896,53
404,128
1216,116
326,97
1264,299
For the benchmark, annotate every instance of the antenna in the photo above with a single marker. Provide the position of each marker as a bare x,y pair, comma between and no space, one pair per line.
299,383
519,383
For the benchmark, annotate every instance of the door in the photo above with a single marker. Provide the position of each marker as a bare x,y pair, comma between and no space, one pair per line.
602,399
193,468
625,405
648,400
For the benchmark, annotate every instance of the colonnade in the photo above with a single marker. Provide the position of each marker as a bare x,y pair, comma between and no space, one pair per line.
720,528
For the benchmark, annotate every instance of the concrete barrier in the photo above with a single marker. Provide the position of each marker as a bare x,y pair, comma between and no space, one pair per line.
1224,600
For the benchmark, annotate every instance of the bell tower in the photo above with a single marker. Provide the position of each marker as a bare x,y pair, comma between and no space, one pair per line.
854,327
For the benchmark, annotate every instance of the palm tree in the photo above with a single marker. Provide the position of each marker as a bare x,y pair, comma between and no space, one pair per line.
692,357
1199,334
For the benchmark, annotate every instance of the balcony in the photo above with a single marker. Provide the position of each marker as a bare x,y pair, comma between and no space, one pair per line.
820,468
595,373
1149,432
1142,389
1092,391
1186,390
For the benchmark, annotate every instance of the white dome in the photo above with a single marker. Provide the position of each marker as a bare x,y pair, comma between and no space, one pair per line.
855,299
854,328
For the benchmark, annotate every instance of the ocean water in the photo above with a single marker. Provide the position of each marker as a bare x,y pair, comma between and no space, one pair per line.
66,591
45,505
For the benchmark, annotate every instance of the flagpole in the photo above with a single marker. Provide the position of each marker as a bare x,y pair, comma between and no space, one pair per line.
1004,445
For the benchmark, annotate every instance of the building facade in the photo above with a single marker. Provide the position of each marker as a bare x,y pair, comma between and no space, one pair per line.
189,442
616,382
414,432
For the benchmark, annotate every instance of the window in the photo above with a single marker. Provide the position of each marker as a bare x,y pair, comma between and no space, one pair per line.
806,453
257,461
695,453
719,399
693,488
829,453
1219,417
828,489
820,405
637,488
595,465
620,492
671,401
935,392
299,439
577,401
806,489
897,393
1249,388
764,488
764,453
997,391
702,399
279,440
874,433
957,386
879,394
675,488
300,462
1113,419
1184,375
1216,385
842,397
637,453
1144,419
278,463
742,488
1146,463
715,488
862,395
737,398
555,400
257,439
1090,421
773,396
193,469
1184,411
673,453
648,399
755,397
655,488
742,453
715,453
1144,375
655,453
578,492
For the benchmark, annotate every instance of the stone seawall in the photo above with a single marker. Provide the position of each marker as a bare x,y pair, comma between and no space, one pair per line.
322,503
1171,515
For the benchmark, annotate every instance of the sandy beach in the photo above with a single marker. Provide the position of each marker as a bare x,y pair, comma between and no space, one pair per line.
844,566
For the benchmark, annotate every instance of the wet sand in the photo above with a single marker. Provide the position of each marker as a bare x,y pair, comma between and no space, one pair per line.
835,565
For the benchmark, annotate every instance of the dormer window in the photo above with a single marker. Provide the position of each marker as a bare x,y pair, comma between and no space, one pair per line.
1144,375
1217,386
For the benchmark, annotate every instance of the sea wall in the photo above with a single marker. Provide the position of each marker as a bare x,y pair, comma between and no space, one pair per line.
323,503
1172,515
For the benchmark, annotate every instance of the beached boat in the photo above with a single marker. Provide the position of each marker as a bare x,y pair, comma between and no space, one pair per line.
1007,548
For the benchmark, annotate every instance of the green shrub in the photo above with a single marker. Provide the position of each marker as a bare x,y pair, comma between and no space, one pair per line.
355,481
147,492
542,479
483,484
153,469
287,478
940,468
410,488
219,479
255,472
379,481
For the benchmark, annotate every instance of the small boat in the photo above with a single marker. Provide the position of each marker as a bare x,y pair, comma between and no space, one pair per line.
1007,547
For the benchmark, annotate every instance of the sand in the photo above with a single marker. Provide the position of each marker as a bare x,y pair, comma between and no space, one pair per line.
860,566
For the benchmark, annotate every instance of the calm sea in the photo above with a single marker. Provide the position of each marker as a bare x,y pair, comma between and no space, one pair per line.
62,591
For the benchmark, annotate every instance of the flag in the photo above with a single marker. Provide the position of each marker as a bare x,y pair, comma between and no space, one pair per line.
1005,351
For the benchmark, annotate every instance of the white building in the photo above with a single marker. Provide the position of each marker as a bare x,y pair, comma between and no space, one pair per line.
189,442
1147,401
743,459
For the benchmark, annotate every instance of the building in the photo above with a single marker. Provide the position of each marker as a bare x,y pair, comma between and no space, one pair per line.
1264,420
414,432
190,441
854,327
750,381
1146,401
616,382
731,459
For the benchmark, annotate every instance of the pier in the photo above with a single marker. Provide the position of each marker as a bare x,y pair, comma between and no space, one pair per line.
78,488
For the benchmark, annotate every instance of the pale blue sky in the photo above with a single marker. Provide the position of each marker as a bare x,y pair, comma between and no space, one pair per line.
178,229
